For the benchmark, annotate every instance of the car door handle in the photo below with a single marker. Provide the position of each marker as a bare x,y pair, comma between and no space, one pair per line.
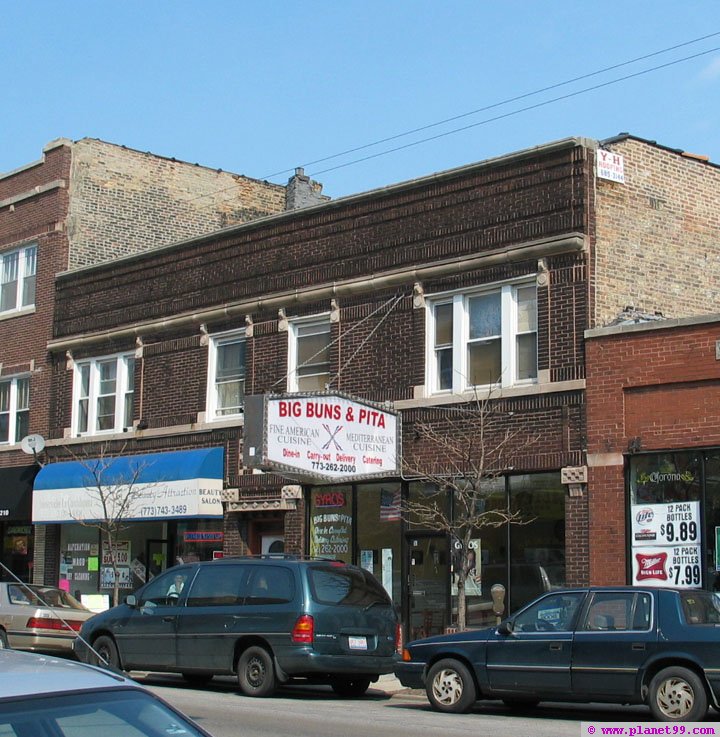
169,618
638,646
556,646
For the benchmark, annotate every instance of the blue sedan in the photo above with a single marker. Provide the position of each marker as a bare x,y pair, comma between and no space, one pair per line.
624,645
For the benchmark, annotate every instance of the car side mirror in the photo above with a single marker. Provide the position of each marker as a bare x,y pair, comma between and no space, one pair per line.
505,627
131,601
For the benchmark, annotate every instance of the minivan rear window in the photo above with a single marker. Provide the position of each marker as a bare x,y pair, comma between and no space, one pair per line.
346,587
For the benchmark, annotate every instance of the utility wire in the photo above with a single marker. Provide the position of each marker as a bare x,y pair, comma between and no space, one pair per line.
497,104
491,107
514,112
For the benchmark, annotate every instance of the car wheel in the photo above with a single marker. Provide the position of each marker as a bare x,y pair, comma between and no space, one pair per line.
4,644
521,703
350,687
677,694
106,652
450,687
255,672
198,679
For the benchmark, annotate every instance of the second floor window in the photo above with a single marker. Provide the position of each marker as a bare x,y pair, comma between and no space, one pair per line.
14,409
226,372
309,355
483,338
17,279
104,395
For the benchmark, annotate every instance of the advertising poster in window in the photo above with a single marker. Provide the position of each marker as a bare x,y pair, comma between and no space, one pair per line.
472,561
666,544
330,525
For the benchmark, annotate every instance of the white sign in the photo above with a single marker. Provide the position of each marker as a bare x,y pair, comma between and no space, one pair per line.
666,544
122,553
161,500
610,166
675,565
331,437
665,524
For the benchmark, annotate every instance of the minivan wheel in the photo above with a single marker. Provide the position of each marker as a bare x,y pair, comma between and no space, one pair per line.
677,695
105,647
4,644
350,687
255,672
450,687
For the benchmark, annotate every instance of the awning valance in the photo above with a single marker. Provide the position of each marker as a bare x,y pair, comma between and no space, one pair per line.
16,493
177,484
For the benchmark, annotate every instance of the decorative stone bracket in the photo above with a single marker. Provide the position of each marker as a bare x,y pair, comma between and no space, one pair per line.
575,478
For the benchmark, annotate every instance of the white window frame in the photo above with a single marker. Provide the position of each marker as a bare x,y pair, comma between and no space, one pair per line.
211,401
26,269
122,389
461,332
293,328
12,410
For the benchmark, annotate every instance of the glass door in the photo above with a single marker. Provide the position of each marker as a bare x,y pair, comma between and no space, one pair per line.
427,585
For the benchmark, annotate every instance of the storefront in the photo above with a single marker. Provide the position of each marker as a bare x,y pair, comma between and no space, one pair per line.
365,524
15,521
674,518
167,507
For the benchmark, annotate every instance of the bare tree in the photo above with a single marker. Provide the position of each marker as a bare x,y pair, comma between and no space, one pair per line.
458,453
112,499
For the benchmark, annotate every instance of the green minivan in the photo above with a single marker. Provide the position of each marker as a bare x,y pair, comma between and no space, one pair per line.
269,620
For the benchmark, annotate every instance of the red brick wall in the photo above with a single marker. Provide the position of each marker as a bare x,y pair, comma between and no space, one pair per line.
659,382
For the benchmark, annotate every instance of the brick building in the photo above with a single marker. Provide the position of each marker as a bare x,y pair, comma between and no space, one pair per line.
421,297
653,404
84,202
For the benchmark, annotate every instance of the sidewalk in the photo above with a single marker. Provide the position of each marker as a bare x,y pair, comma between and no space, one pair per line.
392,686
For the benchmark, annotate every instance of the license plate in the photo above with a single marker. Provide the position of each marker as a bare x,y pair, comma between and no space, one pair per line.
357,643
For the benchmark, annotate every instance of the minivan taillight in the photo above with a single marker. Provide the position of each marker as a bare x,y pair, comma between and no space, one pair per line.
398,639
304,629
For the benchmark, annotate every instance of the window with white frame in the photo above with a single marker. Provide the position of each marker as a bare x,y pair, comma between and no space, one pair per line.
17,279
14,409
482,338
226,375
309,355
104,395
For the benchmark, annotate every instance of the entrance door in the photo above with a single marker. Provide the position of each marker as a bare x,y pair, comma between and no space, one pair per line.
428,585
272,544
156,557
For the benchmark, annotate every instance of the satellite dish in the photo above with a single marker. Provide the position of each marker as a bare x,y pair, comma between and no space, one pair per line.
32,444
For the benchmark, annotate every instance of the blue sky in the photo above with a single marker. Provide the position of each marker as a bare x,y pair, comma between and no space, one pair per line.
262,87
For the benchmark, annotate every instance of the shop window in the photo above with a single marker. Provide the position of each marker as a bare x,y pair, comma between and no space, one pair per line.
662,478
14,409
17,279
482,338
309,355
103,395
226,375
331,523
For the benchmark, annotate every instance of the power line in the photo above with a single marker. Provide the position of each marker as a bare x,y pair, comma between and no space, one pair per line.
498,104
491,106
514,112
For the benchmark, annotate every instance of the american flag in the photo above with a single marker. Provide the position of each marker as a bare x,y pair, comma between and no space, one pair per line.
390,505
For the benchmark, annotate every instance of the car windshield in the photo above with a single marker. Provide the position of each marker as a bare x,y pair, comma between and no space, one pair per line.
28,594
111,713
346,586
